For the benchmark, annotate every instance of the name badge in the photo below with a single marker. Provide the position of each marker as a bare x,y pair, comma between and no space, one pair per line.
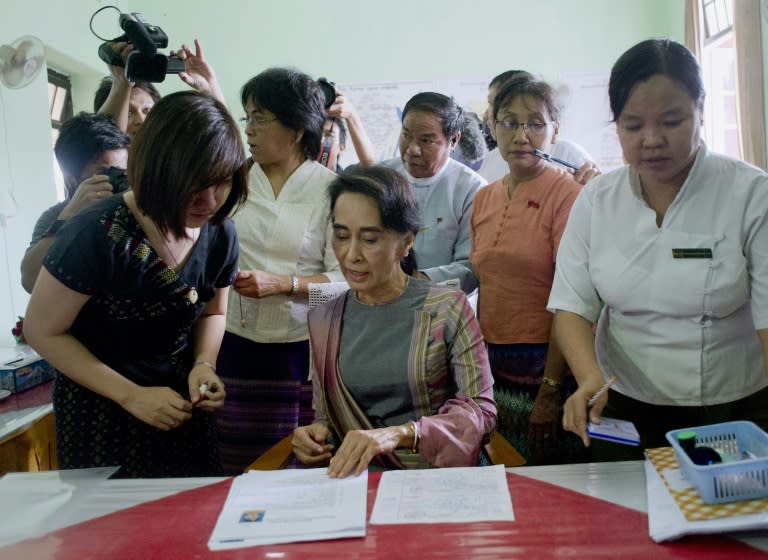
691,253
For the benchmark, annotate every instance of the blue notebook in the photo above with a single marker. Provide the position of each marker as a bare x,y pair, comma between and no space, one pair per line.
618,431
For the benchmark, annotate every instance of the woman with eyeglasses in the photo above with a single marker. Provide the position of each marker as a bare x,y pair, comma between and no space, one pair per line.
285,243
516,227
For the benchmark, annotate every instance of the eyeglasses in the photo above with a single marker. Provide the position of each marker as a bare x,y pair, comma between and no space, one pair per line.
256,122
529,128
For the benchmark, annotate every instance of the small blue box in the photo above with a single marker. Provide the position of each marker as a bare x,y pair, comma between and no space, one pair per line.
23,373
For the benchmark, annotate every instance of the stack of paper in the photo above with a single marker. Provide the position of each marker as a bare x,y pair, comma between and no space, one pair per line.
270,507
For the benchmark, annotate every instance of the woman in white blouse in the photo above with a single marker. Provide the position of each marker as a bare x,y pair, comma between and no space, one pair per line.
285,243
674,247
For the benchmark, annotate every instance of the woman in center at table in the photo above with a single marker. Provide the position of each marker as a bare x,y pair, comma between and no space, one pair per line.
285,243
402,376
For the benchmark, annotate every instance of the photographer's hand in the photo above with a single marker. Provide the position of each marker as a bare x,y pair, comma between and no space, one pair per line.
342,107
123,49
89,191
198,73
117,104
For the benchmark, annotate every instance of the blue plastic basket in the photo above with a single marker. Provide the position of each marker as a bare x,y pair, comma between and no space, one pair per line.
744,477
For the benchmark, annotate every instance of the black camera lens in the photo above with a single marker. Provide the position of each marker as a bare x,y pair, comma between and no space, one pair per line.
329,92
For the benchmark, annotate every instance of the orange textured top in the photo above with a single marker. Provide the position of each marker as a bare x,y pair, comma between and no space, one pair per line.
514,244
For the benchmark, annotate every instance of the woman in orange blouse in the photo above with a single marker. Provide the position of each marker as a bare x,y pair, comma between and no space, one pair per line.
516,227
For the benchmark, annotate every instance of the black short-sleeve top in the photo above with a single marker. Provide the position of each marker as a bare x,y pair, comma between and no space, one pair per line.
141,311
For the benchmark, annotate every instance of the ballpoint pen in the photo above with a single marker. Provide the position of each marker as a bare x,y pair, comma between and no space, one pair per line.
548,157
603,389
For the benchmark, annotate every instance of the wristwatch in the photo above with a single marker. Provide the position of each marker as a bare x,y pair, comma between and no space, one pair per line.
55,227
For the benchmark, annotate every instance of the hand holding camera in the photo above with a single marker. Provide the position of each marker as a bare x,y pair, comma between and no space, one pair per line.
197,73
329,91
106,182
122,50
341,107
143,63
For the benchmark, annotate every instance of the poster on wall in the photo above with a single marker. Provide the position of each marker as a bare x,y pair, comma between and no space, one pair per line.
585,117
380,106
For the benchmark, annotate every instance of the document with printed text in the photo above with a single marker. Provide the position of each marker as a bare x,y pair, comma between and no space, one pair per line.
270,507
458,495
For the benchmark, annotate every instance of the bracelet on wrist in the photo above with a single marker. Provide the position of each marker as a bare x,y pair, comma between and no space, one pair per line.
551,382
203,363
294,285
413,428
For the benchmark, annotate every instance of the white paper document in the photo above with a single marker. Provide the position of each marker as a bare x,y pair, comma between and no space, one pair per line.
270,507
458,495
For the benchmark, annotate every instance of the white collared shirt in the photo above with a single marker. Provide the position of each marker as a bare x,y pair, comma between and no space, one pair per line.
290,234
675,331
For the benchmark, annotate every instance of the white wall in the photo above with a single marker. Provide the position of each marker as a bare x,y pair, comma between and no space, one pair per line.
26,154
346,40
353,40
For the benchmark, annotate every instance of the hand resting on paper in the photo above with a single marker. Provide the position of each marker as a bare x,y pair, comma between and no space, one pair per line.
360,447
354,454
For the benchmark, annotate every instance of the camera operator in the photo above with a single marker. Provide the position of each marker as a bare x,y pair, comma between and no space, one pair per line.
126,102
88,145
342,108
129,103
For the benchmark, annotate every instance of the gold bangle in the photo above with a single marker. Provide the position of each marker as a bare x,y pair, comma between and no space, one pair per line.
413,427
294,285
549,381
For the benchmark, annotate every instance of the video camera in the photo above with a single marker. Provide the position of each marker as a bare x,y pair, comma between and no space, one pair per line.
144,63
